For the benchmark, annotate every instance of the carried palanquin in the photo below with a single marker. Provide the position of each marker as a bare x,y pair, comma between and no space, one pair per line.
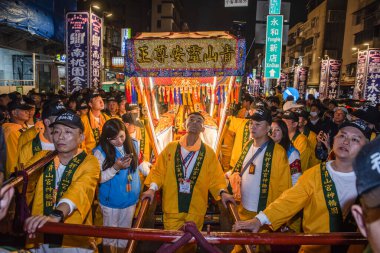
174,74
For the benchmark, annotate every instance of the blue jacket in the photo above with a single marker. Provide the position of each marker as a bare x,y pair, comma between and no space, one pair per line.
113,193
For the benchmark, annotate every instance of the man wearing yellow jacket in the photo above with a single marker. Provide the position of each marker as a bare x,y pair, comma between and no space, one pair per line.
311,136
19,114
93,123
186,170
298,139
66,188
262,169
324,192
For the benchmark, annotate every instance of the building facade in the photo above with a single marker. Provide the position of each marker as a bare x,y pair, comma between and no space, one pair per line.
166,16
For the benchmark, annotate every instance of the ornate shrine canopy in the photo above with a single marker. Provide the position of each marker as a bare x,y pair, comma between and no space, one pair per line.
194,54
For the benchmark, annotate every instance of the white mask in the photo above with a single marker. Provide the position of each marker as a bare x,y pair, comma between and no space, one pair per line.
313,114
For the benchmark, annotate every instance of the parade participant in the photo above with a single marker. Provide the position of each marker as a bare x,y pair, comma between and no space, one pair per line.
66,187
93,122
324,192
279,95
120,184
4,99
246,104
82,108
262,172
311,136
32,120
186,170
315,123
113,108
367,213
122,104
279,134
298,139
19,114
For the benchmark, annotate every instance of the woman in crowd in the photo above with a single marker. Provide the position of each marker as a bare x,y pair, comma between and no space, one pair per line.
279,134
120,184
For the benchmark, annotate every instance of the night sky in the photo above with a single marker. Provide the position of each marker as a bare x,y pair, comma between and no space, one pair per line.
208,15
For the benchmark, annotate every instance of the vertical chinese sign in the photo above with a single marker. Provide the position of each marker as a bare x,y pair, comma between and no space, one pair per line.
273,46
96,50
77,27
333,78
323,80
372,88
361,73
300,80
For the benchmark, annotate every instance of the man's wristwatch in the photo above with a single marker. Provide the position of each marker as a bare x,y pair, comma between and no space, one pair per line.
57,214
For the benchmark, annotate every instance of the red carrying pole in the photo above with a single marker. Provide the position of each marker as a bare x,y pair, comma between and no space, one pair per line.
213,237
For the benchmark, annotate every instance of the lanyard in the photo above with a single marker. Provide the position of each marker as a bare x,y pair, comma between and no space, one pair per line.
254,157
187,161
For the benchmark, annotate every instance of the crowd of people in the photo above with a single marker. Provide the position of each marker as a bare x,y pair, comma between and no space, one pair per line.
305,166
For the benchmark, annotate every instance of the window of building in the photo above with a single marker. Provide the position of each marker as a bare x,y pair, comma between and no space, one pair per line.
159,8
158,23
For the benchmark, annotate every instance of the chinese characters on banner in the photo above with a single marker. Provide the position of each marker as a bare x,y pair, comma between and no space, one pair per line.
372,89
300,80
77,26
201,54
96,50
323,80
361,73
333,78
283,81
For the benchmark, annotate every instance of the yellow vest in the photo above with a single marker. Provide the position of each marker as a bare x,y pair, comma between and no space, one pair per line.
211,178
28,135
81,192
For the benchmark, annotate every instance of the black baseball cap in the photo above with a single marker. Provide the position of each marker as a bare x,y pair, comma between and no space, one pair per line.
358,124
82,105
302,113
70,119
261,114
290,115
18,104
367,169
52,108
109,99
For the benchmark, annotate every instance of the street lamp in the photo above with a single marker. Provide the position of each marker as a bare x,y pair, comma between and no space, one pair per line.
96,7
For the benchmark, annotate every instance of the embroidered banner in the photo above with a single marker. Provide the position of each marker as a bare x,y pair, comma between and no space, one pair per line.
323,79
96,50
372,89
361,74
77,48
300,80
185,54
333,78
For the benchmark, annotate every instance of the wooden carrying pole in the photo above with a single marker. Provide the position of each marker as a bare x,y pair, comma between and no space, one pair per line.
232,209
165,236
138,224
15,180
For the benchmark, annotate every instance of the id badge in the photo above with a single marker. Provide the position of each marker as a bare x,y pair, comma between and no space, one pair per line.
252,168
184,186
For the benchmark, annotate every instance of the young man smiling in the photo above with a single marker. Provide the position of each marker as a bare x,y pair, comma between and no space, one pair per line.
325,192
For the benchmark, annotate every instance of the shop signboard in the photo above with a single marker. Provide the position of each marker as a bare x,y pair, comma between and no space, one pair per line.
77,50
273,47
372,88
274,6
235,3
96,50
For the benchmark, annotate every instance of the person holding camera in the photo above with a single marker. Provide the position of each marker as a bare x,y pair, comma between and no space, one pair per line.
120,183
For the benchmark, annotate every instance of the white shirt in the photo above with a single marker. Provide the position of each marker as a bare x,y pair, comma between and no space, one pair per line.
345,185
250,184
47,146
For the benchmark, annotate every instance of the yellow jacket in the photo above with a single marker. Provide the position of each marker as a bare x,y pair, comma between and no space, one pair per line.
89,142
211,178
241,113
147,147
12,132
312,138
233,140
306,194
28,135
81,192
301,143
